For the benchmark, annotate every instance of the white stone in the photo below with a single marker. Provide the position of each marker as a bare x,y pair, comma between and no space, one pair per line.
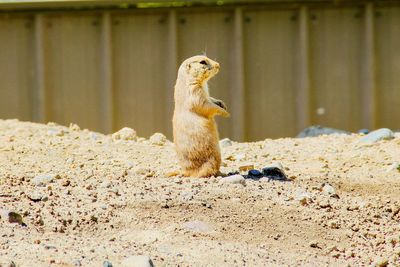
377,135
42,180
225,142
328,189
198,226
137,261
125,133
158,139
233,179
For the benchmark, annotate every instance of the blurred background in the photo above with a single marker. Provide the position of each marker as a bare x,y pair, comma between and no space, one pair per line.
285,64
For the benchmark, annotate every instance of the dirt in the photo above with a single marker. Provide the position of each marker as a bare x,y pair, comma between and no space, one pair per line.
86,198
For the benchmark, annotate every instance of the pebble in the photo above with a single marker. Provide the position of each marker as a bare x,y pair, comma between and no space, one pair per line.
380,262
274,173
56,132
225,142
158,139
77,263
394,167
74,127
318,130
363,131
35,196
327,189
107,264
303,197
137,261
125,133
234,179
377,135
245,168
198,226
43,180
11,217
254,174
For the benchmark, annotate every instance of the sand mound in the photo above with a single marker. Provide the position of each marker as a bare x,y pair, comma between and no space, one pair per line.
86,198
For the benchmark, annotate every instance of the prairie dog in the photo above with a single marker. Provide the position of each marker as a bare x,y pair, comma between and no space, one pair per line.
195,131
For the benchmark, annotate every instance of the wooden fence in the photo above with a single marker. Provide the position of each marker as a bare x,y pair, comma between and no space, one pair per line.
283,68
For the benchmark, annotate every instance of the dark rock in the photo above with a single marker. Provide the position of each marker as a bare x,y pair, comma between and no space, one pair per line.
274,173
12,217
318,130
254,174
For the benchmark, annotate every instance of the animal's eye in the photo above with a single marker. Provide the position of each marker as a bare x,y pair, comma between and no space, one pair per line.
203,62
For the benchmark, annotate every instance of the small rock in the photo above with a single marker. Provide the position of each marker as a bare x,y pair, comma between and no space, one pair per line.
315,244
234,179
43,180
124,134
394,167
377,135
144,172
198,226
380,262
137,261
105,184
303,197
274,173
245,168
329,190
74,127
56,132
107,264
363,131
225,142
11,217
77,263
35,196
66,182
254,174
324,203
158,139
317,130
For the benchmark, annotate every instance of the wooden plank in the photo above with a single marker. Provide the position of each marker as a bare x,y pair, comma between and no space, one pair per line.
369,81
211,33
387,23
270,73
16,65
335,46
140,63
107,96
303,96
39,101
73,74
237,109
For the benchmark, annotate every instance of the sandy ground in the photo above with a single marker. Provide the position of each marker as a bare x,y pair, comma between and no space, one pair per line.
108,199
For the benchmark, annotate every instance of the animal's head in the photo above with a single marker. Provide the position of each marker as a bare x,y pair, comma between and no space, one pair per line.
199,68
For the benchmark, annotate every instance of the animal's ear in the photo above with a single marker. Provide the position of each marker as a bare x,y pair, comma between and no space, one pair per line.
188,67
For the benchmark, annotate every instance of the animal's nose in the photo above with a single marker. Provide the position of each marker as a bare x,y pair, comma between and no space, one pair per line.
216,66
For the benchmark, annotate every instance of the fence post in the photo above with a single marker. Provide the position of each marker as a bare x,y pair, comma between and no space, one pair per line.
171,65
39,95
369,109
107,96
238,111
303,96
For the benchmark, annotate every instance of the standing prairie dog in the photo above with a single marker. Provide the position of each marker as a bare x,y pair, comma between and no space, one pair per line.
195,131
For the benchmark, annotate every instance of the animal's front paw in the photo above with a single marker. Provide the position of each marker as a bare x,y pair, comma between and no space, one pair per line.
219,103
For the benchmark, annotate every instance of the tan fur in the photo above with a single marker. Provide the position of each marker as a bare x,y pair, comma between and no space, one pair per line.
195,131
